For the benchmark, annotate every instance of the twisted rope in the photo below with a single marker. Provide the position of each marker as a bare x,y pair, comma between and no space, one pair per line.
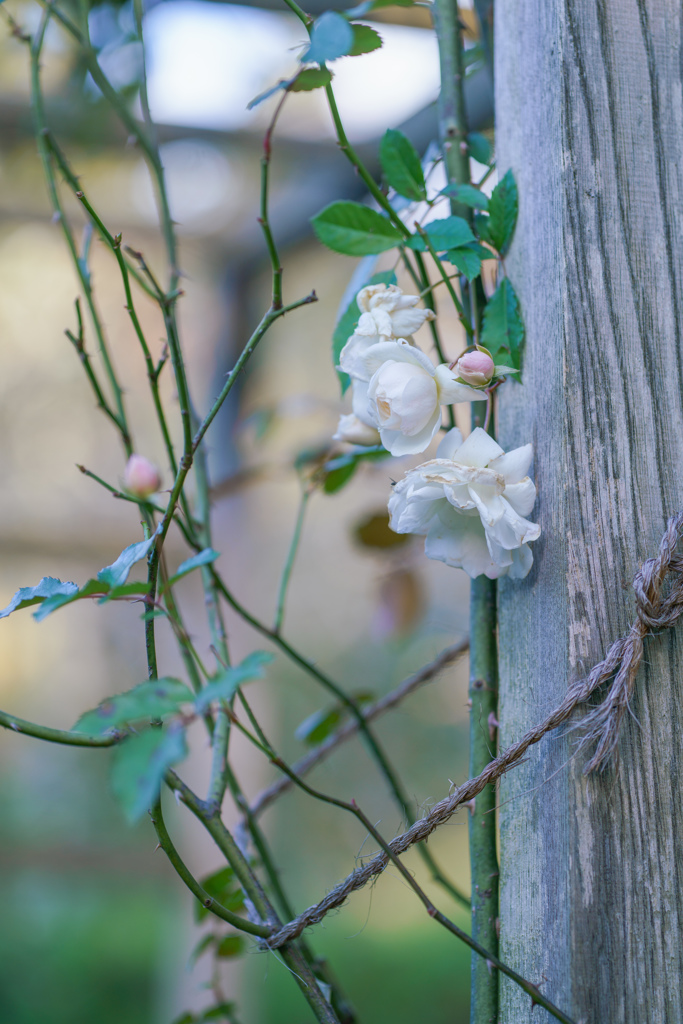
658,587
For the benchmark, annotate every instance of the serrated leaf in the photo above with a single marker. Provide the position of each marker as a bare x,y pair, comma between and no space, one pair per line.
347,322
355,230
205,557
503,329
479,147
481,226
51,604
447,233
225,686
331,37
318,726
223,887
365,40
151,699
467,260
503,206
117,573
401,165
468,195
27,596
311,78
139,765
231,945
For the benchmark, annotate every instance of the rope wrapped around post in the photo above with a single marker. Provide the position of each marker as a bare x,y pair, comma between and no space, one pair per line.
658,587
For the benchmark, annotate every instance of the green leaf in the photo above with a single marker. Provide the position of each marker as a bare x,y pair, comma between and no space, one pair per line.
481,226
339,475
51,604
204,557
186,1018
331,37
401,165
151,699
373,531
231,945
503,329
447,233
479,147
374,5
224,888
225,686
318,726
365,40
204,943
355,230
139,765
221,1011
27,596
503,206
311,78
347,322
284,83
339,471
468,195
117,573
125,590
467,259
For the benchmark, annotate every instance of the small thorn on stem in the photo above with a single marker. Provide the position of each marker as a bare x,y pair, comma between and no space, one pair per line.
493,725
472,805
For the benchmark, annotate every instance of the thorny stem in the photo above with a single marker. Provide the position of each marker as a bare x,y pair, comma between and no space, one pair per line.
395,788
36,47
483,955
291,557
291,954
483,620
207,901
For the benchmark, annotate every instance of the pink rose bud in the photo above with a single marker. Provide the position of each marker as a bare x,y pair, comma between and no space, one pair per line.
141,477
475,367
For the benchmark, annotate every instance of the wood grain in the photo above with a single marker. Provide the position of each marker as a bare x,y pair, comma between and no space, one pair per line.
589,105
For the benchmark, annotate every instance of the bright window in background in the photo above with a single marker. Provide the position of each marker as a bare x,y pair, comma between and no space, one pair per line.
207,61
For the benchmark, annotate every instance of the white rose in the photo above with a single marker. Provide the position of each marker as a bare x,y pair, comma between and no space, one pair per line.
405,392
354,431
387,312
470,503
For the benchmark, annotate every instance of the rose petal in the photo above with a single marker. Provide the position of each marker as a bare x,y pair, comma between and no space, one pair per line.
449,444
462,544
522,495
513,465
479,449
451,392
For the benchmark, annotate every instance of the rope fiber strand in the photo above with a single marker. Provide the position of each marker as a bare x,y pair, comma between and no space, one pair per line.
658,587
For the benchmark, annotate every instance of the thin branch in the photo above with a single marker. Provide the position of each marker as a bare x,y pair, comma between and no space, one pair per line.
291,557
208,902
44,732
348,729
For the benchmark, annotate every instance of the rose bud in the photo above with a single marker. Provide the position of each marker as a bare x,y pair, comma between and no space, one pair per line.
475,367
141,477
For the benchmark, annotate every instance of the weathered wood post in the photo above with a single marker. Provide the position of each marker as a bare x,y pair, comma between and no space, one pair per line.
589,105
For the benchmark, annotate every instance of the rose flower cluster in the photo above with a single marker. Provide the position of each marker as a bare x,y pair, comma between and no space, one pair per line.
470,502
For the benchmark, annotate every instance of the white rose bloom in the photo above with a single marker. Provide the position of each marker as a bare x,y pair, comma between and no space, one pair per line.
354,431
470,502
387,312
404,394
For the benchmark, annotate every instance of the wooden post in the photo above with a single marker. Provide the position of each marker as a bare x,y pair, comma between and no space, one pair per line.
589,105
